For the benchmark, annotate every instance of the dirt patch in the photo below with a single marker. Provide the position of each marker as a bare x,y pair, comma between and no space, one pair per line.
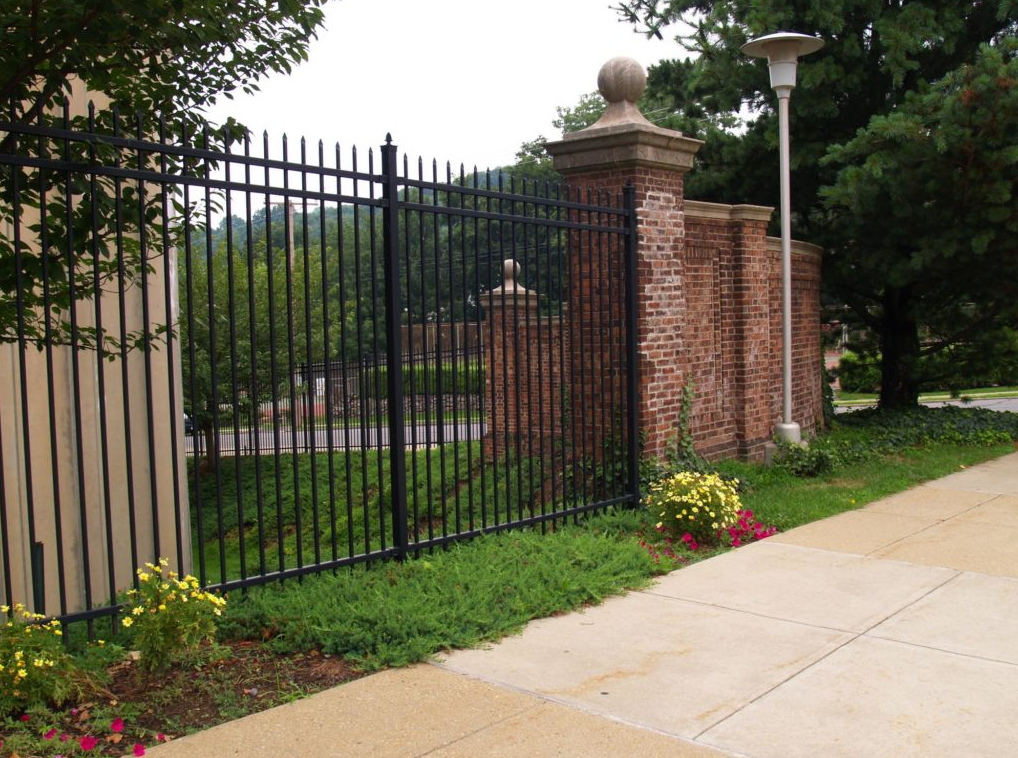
235,680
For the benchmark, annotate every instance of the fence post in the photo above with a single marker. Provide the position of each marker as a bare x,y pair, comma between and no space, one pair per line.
393,348
632,355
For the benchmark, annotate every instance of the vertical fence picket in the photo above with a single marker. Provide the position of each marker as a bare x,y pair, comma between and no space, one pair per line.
393,348
498,375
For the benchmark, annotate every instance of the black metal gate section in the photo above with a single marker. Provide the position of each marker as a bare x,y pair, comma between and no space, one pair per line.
261,365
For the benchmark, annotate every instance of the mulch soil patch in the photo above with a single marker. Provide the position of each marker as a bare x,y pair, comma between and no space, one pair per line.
237,679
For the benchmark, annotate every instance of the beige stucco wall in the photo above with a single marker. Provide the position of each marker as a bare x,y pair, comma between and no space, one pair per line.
74,476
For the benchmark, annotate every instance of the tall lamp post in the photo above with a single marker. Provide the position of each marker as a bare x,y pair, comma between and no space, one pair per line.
782,51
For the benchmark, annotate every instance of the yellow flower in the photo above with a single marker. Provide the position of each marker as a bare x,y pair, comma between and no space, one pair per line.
137,611
143,576
162,606
127,621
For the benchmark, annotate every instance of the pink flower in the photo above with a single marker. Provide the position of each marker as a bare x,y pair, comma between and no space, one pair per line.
64,737
139,749
74,711
24,717
50,734
117,725
160,737
87,742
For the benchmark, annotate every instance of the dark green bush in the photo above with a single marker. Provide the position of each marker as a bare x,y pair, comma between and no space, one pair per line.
801,461
858,373
990,360
461,378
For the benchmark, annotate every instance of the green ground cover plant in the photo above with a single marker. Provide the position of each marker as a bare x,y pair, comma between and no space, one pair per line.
396,614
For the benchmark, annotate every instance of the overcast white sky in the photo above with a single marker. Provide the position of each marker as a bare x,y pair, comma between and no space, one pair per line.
460,80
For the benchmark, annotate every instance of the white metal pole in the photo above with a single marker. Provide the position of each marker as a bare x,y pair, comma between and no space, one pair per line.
788,430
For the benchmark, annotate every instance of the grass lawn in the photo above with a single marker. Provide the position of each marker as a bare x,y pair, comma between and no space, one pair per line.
786,501
321,512
863,398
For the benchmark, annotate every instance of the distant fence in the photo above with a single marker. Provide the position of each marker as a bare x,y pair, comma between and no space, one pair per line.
221,274
439,390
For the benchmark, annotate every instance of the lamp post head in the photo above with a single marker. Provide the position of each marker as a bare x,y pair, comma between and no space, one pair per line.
782,51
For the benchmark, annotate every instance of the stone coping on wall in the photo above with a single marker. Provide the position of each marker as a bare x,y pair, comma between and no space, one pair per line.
626,145
722,212
798,247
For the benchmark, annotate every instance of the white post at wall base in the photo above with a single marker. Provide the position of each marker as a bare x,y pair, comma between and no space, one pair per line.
782,51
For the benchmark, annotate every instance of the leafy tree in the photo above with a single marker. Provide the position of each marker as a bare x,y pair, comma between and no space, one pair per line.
928,192
892,76
168,56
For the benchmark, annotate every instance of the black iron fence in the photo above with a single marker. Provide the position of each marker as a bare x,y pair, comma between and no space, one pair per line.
204,357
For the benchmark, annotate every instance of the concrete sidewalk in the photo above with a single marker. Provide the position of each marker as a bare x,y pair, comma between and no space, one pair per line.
887,631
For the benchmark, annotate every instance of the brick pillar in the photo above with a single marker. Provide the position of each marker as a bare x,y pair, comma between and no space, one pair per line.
622,148
511,313
749,314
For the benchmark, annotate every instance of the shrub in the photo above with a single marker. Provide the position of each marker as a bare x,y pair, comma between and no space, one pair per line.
857,373
803,461
34,667
693,507
170,617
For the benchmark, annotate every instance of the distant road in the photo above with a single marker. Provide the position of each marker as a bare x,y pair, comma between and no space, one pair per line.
355,438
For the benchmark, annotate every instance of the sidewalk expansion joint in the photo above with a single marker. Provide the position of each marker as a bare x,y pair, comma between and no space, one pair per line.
828,654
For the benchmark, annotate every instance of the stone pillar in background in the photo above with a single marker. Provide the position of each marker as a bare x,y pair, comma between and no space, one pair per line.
622,148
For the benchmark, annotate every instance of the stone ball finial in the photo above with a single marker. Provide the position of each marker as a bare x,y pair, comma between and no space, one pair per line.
621,80
510,272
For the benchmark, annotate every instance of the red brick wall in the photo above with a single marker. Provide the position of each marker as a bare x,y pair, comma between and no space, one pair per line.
708,312
807,396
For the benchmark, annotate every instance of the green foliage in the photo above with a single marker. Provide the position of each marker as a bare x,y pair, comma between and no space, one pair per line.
35,669
986,360
395,614
169,617
866,435
903,159
449,377
857,373
700,505
169,56
680,455
238,309
777,497
803,461
826,379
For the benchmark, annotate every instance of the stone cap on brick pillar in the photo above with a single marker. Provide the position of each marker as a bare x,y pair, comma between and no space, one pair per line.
512,293
622,137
